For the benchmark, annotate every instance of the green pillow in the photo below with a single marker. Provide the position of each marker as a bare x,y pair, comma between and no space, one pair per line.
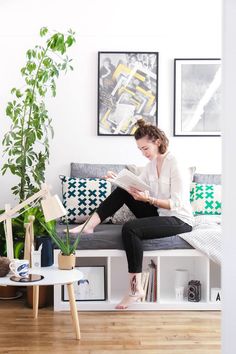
82,195
205,199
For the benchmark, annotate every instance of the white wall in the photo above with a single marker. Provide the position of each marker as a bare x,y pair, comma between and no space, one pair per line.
229,172
176,29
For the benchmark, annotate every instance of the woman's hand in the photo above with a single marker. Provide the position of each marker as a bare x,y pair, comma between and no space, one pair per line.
110,174
138,195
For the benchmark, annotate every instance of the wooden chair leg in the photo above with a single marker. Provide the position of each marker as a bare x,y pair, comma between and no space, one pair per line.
73,309
35,300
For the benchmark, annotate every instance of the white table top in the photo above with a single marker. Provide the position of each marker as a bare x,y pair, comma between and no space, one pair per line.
52,276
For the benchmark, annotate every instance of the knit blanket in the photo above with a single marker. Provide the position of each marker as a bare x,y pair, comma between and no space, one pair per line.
206,236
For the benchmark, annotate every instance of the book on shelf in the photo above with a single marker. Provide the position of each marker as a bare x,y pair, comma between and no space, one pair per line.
145,278
149,282
150,288
126,180
154,281
155,284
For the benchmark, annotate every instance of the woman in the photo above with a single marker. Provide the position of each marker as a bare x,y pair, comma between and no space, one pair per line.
166,211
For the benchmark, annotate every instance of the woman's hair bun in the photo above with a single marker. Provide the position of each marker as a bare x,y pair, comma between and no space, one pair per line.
141,123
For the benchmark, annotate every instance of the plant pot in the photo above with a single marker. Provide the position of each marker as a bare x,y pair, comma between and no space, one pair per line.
47,250
66,262
9,292
43,296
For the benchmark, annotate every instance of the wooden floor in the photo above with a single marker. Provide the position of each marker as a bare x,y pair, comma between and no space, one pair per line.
107,332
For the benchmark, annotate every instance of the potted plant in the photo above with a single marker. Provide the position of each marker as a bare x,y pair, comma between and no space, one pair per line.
26,144
66,257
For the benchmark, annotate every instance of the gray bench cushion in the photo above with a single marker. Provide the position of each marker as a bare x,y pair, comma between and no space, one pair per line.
207,178
92,170
108,236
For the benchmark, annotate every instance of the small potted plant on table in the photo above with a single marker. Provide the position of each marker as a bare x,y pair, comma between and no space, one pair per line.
66,257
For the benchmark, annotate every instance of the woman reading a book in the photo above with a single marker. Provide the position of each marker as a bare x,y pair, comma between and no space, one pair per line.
164,211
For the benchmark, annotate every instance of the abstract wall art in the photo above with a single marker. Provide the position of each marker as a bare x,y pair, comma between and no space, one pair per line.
197,97
127,90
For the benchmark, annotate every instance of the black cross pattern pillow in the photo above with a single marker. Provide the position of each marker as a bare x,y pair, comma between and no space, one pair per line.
82,195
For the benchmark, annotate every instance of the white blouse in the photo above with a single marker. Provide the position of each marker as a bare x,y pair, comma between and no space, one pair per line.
172,184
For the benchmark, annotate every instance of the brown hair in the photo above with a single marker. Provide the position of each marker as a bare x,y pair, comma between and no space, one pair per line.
152,133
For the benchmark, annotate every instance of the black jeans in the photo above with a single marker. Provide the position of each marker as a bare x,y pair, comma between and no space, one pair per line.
148,225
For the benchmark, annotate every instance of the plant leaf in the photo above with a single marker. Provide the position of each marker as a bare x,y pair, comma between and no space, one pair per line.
43,31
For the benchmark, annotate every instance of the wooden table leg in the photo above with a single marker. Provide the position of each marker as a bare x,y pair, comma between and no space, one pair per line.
35,300
73,309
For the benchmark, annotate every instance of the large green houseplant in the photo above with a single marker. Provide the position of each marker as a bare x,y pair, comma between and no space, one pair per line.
26,144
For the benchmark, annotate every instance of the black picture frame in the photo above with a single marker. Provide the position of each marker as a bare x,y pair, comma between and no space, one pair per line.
127,90
197,97
92,287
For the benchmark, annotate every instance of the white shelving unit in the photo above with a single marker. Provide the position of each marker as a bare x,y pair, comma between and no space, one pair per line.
116,279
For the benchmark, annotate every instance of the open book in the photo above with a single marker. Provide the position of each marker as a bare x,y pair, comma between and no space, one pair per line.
126,179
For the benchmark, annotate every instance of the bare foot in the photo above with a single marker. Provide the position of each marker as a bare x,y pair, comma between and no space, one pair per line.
77,229
91,223
129,300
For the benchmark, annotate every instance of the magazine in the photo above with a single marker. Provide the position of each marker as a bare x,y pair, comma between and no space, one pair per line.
126,179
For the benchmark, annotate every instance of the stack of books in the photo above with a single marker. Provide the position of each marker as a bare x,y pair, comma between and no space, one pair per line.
149,282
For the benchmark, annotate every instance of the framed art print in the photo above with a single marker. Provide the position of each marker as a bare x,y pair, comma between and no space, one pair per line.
127,90
91,287
197,97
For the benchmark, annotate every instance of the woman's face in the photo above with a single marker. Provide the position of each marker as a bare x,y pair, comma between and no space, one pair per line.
148,148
